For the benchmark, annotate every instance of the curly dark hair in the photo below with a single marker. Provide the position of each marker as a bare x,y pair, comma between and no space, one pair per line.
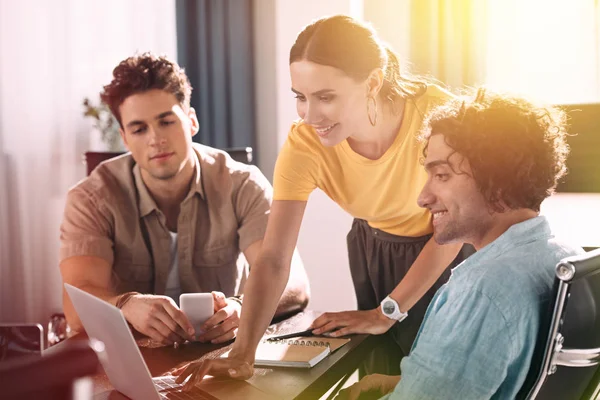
516,149
143,72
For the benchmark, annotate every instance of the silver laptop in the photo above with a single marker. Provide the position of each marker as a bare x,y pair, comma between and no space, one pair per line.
123,362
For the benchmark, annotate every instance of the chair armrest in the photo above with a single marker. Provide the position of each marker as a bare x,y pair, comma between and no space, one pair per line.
572,357
58,367
578,267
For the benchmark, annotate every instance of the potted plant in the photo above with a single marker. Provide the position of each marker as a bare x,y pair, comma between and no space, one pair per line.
106,130
105,124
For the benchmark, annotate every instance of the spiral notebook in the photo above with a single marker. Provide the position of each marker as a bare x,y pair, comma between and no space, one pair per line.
302,352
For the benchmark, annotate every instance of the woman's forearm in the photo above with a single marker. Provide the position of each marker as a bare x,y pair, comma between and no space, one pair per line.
263,290
427,268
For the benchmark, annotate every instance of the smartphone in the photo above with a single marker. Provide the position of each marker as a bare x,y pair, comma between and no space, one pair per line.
20,340
198,307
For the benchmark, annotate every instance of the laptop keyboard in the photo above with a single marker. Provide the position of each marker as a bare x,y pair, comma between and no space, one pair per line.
168,389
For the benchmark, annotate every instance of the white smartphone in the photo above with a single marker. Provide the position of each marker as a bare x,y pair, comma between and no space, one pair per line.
198,307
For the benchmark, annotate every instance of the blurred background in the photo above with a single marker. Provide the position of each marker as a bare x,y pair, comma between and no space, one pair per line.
53,55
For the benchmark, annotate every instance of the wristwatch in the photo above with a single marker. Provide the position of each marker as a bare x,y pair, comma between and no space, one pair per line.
391,309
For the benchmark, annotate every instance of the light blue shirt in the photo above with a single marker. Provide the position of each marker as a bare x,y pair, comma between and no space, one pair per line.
479,332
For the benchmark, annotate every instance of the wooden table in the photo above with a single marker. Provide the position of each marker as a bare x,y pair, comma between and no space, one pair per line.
277,383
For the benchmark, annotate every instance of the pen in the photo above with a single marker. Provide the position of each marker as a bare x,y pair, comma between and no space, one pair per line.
292,335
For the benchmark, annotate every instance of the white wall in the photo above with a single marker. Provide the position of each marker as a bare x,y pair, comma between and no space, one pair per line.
52,55
322,241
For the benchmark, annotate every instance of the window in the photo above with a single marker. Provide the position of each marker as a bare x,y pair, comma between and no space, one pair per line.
549,49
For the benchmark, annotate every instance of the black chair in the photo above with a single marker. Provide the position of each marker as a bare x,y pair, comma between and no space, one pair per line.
565,363
52,376
93,158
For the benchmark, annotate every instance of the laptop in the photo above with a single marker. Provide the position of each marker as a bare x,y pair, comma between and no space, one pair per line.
123,362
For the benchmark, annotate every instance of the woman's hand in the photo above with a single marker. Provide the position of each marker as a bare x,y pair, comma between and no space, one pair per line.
346,322
220,367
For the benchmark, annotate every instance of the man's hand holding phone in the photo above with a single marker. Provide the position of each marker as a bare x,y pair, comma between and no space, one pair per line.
158,317
214,317
223,325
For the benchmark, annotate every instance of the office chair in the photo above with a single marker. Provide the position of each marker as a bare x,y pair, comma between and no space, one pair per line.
565,362
54,375
93,158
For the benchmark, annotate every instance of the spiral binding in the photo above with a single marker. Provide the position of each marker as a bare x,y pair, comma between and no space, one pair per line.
295,342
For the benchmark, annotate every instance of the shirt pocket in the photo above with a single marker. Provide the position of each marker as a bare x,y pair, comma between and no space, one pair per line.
217,269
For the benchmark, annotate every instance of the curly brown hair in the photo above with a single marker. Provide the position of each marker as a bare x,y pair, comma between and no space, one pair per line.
516,149
143,72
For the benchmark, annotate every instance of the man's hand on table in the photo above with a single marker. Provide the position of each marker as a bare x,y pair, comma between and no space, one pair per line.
347,322
231,367
223,325
159,318
375,383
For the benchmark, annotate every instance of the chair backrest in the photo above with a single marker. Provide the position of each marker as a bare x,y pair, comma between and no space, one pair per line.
53,375
565,363
93,158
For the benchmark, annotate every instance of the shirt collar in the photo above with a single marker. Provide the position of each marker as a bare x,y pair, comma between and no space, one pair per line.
146,203
530,230
196,186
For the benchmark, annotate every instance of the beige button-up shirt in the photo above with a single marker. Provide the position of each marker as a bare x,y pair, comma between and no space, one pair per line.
112,215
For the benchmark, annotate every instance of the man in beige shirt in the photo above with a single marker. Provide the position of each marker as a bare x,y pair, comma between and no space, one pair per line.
170,217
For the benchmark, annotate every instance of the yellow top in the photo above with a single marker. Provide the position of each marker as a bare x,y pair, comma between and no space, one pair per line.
383,192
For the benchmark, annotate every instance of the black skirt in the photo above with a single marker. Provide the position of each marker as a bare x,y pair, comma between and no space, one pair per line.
378,262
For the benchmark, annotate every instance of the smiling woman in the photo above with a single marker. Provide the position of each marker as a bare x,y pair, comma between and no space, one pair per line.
355,140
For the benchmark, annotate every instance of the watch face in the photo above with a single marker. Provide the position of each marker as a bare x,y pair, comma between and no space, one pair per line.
388,307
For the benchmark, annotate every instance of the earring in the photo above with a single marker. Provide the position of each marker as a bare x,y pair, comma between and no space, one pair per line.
372,119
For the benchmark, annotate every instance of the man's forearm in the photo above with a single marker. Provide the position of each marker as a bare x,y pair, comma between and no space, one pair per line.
296,295
69,311
292,299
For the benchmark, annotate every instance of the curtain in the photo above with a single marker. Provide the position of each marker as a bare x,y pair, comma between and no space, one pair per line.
65,51
448,40
214,45
6,241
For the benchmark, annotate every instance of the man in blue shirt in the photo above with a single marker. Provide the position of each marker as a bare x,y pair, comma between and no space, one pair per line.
491,160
